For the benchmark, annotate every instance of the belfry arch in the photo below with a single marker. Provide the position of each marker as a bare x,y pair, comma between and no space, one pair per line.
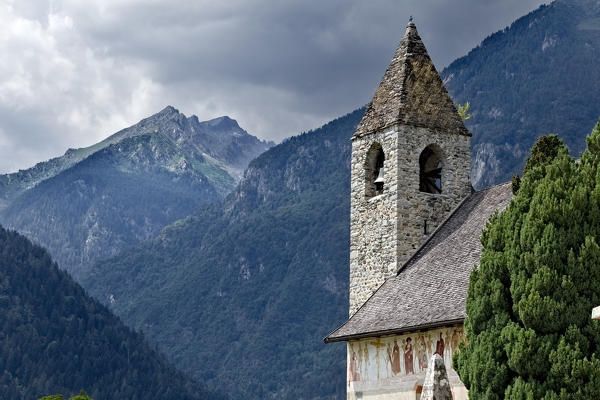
430,169
374,171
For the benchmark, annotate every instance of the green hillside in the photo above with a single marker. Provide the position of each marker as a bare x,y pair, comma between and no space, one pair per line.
56,339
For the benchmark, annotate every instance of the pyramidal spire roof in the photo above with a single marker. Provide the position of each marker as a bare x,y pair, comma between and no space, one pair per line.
411,93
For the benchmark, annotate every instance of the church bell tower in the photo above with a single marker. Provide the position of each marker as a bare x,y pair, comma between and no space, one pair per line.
410,168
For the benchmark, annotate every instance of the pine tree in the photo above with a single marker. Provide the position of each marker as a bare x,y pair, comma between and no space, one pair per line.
528,326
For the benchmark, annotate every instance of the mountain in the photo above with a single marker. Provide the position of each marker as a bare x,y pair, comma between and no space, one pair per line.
251,286
264,274
56,339
538,76
92,202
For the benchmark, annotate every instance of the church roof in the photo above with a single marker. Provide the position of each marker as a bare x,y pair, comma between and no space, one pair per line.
431,288
411,93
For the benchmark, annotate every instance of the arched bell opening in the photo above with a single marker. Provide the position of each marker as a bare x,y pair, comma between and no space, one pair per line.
430,170
374,171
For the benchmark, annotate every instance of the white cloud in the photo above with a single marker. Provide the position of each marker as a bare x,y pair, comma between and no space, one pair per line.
58,90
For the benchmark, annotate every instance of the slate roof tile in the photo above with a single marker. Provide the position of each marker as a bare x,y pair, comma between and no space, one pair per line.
431,288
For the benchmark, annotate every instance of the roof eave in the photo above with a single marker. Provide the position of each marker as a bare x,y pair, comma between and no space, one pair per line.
394,331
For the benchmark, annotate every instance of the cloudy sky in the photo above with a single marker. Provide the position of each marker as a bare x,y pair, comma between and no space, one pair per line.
72,71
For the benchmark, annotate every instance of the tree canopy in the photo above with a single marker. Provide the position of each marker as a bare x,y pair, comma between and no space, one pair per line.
529,328
54,338
81,396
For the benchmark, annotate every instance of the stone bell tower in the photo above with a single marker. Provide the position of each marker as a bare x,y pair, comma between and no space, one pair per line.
410,168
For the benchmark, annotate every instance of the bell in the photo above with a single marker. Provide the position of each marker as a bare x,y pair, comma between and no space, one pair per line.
380,176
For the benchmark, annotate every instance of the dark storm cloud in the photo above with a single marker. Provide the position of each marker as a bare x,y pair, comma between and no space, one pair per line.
296,45
279,67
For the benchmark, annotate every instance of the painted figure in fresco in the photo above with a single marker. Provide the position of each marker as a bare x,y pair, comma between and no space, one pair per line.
353,373
394,357
421,350
439,347
408,357
455,340
378,345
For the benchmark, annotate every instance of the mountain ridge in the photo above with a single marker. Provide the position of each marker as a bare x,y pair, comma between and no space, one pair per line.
27,178
94,201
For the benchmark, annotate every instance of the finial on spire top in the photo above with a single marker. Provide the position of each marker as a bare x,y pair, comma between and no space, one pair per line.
410,19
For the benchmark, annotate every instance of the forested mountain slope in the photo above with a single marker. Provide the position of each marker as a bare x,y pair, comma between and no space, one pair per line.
538,76
56,339
92,202
252,286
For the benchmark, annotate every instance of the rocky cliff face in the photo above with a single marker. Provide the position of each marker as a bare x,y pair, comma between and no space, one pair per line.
220,140
292,169
93,202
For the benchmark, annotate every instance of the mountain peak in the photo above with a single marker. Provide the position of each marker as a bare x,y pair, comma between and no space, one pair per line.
223,122
167,113
168,110
158,121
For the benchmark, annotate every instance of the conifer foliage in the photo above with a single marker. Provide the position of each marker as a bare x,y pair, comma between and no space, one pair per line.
81,396
529,328
56,339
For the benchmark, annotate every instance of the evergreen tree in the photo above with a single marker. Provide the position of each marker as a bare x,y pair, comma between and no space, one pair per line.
545,149
528,326
81,396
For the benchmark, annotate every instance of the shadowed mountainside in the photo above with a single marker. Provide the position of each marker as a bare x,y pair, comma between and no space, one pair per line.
252,286
56,339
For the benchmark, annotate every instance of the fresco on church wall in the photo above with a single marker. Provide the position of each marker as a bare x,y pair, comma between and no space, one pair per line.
390,357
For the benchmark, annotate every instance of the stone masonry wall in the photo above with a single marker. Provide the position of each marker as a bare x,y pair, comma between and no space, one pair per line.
386,230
